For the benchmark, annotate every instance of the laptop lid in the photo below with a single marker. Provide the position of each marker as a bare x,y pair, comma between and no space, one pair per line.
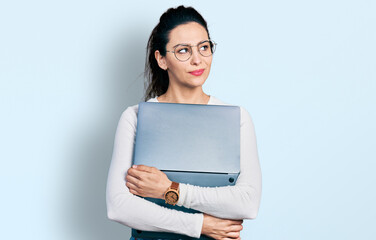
188,137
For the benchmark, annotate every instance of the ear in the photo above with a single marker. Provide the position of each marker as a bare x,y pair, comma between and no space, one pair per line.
161,60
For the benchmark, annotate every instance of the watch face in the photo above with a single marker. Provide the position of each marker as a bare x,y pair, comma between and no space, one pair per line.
171,197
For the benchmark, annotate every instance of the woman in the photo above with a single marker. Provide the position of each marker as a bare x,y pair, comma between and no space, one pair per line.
179,59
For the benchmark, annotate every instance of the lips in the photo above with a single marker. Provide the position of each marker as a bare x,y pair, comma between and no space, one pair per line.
197,72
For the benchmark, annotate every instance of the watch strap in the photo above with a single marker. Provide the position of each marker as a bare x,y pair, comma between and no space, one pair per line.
174,185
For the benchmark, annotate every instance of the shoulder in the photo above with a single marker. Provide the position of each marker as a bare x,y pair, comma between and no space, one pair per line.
216,101
245,117
129,115
130,112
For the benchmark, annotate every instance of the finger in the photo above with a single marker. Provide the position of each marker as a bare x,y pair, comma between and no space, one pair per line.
234,228
132,172
233,235
134,192
235,222
135,181
143,176
135,173
143,168
131,186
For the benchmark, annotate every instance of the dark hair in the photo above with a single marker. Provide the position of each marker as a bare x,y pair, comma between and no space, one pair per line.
156,78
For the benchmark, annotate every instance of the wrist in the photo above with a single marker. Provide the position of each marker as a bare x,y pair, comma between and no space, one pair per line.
165,187
171,196
204,224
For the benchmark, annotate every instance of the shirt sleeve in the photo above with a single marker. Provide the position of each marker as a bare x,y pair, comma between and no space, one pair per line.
131,210
240,201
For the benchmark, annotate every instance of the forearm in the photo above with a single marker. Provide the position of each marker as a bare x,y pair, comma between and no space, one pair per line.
141,214
133,211
234,202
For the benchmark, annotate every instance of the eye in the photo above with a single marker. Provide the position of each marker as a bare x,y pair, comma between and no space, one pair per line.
182,50
204,47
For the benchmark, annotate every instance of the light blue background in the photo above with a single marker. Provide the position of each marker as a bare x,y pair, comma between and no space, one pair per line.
305,70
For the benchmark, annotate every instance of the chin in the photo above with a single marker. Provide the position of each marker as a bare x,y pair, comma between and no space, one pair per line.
197,82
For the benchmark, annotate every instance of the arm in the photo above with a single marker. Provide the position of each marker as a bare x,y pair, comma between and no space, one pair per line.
131,210
233,202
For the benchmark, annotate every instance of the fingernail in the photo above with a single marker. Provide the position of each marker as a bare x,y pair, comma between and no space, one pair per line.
134,166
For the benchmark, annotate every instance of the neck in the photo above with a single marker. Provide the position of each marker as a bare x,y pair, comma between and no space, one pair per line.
191,97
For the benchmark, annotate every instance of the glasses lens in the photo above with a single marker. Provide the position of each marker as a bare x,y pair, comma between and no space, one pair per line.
206,48
183,52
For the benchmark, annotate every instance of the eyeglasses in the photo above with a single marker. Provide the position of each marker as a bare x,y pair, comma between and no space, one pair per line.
183,52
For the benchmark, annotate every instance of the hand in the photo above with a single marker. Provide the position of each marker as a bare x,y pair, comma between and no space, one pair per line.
221,229
147,181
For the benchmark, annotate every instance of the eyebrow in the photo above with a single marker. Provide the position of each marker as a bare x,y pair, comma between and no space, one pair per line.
186,44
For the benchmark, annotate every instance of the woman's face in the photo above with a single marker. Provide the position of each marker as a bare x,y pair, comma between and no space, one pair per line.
182,73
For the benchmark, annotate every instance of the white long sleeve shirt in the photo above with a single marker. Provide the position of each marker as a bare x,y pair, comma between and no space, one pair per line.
240,201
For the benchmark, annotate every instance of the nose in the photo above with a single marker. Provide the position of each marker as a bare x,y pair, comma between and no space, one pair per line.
196,56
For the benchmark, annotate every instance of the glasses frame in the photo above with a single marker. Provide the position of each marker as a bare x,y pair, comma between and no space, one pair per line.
213,47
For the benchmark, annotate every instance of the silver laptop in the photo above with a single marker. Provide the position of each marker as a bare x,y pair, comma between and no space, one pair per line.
191,143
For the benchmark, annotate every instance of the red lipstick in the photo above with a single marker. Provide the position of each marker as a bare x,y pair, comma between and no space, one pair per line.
197,72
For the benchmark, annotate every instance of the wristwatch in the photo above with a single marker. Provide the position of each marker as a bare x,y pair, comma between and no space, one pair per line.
171,196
